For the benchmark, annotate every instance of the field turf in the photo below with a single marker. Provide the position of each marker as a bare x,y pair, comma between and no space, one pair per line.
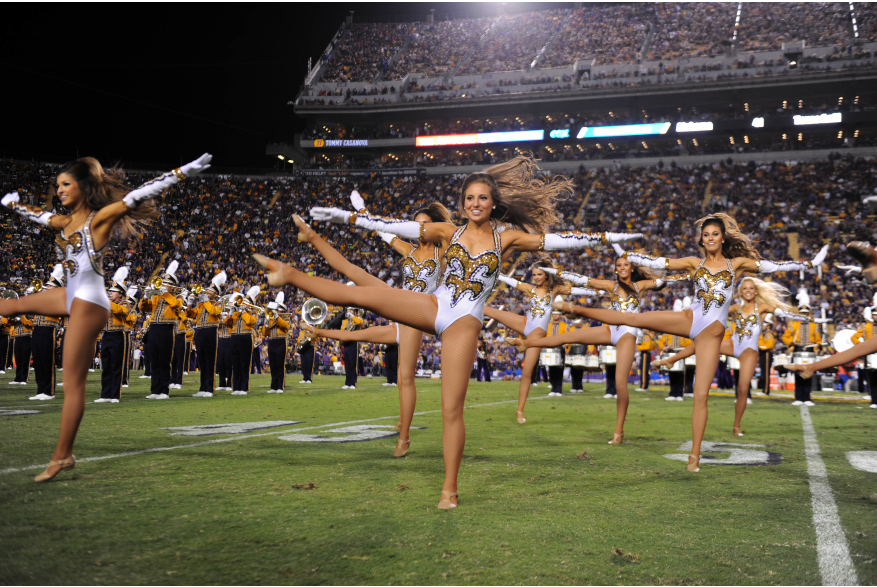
545,503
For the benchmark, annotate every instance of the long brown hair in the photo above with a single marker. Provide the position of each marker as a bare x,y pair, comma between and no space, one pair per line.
101,188
437,212
736,243
551,281
521,198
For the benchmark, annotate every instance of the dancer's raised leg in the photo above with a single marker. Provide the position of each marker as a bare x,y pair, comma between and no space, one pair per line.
625,352
748,361
336,260
598,335
508,319
86,322
376,334
459,343
49,302
670,322
414,309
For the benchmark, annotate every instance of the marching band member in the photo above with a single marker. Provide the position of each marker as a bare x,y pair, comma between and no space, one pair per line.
208,321
128,331
534,324
43,344
276,330
100,204
178,359
23,342
509,192
5,342
674,343
144,338
348,321
577,373
645,347
165,309
223,354
113,347
728,254
556,327
305,346
242,324
865,332
483,363
800,336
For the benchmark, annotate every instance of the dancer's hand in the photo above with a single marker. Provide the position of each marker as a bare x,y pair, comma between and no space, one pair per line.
9,199
850,269
356,201
518,343
820,256
618,250
804,370
197,166
388,238
276,270
622,237
334,215
304,231
309,328
660,363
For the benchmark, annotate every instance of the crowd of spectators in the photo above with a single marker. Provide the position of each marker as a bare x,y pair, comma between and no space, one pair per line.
696,29
215,223
364,50
437,48
765,26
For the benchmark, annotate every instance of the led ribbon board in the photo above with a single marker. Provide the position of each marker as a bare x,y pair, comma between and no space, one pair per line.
481,138
694,126
624,130
817,119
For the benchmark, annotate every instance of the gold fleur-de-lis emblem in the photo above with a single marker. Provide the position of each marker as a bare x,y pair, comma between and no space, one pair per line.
463,271
744,326
708,288
415,276
538,305
625,305
74,241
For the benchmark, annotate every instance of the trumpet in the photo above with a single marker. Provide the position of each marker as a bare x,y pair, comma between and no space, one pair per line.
158,283
36,285
240,301
197,289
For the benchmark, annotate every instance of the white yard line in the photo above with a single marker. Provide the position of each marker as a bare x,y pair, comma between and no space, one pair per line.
241,437
835,562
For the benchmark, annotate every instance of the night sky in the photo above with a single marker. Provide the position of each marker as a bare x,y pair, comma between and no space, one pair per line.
162,83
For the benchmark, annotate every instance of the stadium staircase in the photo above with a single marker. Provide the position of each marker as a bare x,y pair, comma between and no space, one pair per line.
393,59
794,245
540,57
468,56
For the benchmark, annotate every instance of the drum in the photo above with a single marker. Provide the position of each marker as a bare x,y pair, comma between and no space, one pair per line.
608,355
691,361
551,358
677,367
803,358
592,363
576,355
779,362
871,361
732,363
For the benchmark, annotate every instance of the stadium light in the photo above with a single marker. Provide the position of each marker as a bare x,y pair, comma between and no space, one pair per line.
758,122
280,157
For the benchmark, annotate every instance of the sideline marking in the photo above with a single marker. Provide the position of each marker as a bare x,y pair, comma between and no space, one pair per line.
835,562
19,412
863,460
144,451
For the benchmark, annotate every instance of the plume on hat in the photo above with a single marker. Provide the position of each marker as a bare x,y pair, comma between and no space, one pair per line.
280,297
253,292
677,305
131,293
219,279
868,316
120,275
172,268
686,302
58,272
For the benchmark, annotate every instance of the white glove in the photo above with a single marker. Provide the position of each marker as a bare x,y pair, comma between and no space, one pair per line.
334,215
823,320
549,270
560,241
618,250
647,260
197,166
850,269
34,213
820,256
155,187
575,278
388,238
622,237
356,201
581,291
780,313
509,281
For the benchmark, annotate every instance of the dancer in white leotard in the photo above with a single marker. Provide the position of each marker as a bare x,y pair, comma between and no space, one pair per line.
728,253
509,193
534,324
759,298
421,271
99,202
631,282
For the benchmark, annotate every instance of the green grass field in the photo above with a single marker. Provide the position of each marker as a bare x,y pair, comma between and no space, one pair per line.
545,503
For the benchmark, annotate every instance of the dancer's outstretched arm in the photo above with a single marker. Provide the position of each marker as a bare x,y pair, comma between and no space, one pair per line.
686,264
376,334
435,232
336,260
582,280
765,266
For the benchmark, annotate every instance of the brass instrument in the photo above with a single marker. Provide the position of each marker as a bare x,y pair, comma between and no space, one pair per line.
197,289
240,301
36,285
9,294
314,312
158,283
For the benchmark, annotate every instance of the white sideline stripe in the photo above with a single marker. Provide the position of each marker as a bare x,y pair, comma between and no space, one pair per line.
835,563
134,453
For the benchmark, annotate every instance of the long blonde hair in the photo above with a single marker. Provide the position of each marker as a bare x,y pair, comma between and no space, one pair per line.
767,292
521,198
736,243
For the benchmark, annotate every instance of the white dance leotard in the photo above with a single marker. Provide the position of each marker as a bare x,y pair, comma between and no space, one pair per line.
84,266
538,314
713,294
619,304
467,281
746,332
423,277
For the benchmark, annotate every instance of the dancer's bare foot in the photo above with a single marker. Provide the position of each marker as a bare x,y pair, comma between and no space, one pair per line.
520,416
305,232
448,500
564,307
402,448
518,343
278,273
617,438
